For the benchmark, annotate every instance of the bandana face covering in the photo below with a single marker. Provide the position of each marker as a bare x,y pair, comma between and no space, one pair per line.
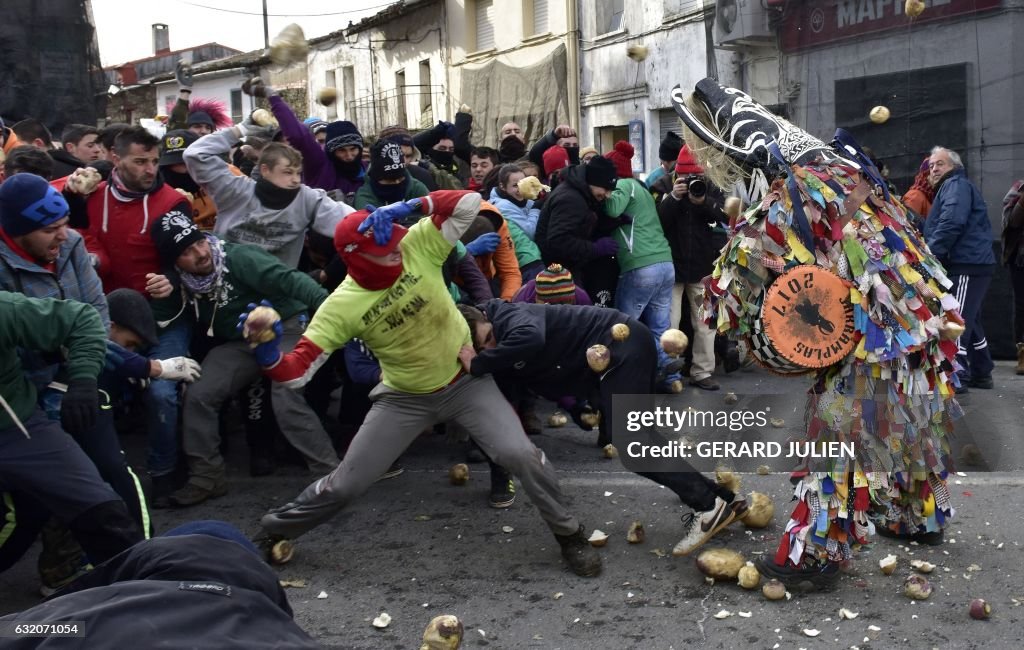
443,159
351,169
511,148
203,284
274,197
179,181
371,275
390,193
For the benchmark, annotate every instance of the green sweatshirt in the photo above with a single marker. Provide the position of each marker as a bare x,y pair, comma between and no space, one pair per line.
45,324
365,196
250,275
642,242
526,251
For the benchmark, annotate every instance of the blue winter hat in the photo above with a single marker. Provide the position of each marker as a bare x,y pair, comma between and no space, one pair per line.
309,120
342,134
28,203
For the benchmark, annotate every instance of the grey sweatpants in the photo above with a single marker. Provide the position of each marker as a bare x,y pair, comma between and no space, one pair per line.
394,421
227,369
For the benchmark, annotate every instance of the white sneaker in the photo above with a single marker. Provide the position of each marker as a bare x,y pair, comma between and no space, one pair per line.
702,526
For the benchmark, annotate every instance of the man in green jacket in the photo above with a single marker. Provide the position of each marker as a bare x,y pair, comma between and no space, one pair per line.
218,281
387,180
37,456
646,273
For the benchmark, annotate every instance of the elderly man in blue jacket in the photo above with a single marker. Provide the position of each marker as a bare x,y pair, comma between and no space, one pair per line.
959,233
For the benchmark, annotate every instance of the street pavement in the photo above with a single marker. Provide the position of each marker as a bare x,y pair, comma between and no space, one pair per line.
416,546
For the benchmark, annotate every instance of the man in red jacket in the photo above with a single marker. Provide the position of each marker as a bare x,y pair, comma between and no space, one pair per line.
122,209
120,214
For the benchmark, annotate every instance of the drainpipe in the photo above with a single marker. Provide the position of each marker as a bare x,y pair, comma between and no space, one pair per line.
572,61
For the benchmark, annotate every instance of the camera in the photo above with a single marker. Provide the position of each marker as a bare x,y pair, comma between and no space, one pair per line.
696,186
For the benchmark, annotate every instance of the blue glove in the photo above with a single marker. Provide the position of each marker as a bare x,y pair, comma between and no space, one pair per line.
267,354
381,219
484,244
606,247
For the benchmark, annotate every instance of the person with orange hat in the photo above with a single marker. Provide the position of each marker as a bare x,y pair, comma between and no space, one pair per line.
394,295
489,240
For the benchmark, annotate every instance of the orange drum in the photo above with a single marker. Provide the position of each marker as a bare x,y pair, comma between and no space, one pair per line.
806,320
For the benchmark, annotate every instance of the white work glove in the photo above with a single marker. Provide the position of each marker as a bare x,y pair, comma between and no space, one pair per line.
179,369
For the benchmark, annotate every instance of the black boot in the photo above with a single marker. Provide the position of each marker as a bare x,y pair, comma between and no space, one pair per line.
105,530
161,488
581,556
503,488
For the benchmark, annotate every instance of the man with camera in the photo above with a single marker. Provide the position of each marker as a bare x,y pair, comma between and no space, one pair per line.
693,222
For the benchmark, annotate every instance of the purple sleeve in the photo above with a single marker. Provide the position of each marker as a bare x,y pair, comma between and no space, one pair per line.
314,160
526,293
125,363
361,365
473,280
583,298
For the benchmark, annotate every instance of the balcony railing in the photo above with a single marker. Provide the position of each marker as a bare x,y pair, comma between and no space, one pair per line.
409,106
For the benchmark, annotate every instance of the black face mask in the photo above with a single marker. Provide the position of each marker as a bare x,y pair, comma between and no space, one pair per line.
389,193
179,181
274,197
445,159
351,169
574,155
511,148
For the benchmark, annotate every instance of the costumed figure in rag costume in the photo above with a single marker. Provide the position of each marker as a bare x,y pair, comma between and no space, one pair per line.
884,375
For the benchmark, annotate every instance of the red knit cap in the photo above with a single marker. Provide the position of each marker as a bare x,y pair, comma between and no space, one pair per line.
686,163
622,157
556,157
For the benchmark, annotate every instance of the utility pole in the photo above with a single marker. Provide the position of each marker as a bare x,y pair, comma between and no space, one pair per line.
266,30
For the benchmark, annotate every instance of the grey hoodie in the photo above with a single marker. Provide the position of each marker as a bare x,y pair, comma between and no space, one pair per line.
241,218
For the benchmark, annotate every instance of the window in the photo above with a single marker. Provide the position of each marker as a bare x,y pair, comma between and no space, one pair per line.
400,107
331,81
674,8
236,105
669,121
348,90
425,89
484,13
609,16
540,17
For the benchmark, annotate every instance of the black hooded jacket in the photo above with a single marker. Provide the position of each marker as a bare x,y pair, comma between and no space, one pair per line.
695,244
544,347
567,222
174,592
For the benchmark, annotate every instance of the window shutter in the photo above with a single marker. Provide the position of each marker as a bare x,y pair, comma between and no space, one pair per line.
540,16
669,121
484,24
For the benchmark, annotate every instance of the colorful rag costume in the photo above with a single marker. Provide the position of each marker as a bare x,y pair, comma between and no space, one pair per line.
893,395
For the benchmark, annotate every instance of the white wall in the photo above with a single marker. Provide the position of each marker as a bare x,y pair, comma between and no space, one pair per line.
409,40
212,85
676,56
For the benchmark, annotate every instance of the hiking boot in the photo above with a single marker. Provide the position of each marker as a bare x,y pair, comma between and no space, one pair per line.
705,384
731,362
531,423
161,488
393,471
934,538
581,556
503,488
261,463
1020,360
983,383
192,494
813,574
702,526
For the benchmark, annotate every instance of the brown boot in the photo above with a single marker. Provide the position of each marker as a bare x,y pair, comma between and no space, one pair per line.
1020,359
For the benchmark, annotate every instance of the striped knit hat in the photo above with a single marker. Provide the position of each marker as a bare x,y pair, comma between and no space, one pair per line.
555,286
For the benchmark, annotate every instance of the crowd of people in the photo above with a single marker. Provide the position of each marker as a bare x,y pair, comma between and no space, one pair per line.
130,264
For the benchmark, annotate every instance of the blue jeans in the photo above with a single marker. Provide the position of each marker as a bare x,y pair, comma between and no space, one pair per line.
161,401
646,295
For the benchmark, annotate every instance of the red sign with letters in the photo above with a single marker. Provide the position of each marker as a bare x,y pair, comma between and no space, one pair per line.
816,22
